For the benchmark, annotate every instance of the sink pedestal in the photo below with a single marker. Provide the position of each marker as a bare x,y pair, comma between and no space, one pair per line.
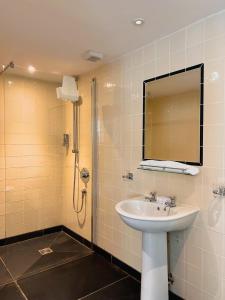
154,280
154,225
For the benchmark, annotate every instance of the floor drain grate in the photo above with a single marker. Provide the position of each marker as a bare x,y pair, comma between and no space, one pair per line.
45,251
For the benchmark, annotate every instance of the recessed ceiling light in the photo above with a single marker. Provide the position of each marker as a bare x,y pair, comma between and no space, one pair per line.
139,21
31,69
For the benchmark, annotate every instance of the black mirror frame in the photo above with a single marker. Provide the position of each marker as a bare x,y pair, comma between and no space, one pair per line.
201,67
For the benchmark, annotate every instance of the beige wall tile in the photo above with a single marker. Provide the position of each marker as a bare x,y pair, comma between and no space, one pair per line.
2,227
32,155
201,42
178,41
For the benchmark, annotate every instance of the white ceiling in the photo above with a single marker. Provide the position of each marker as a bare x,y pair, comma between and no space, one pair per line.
53,34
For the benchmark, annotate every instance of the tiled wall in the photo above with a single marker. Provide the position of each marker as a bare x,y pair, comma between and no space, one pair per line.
197,256
33,155
36,172
80,223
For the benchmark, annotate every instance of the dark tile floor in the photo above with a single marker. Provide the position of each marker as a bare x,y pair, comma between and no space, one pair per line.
125,288
23,259
11,292
72,271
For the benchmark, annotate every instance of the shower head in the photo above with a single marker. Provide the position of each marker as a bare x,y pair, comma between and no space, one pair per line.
68,91
5,67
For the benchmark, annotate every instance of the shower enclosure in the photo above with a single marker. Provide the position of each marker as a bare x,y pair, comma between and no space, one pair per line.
36,168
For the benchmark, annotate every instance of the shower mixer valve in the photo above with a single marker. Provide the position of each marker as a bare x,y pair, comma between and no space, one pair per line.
85,175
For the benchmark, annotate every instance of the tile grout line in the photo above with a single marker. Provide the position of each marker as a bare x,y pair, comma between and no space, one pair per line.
1,259
21,291
104,287
53,266
72,238
13,280
28,239
71,259
51,233
77,240
55,239
133,277
126,272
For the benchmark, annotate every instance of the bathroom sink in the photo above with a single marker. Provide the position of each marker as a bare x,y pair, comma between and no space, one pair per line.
155,219
152,217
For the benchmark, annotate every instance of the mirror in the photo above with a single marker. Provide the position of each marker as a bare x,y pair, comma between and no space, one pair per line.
173,116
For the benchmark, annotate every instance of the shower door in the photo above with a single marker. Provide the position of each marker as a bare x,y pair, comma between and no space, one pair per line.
33,131
38,168
2,160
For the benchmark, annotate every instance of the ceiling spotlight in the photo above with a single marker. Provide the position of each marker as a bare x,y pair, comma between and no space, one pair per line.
31,69
139,21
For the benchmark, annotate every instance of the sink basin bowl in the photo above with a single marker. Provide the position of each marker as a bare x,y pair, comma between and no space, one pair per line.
154,220
151,217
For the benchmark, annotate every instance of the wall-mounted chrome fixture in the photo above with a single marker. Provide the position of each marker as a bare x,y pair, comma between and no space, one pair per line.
85,175
170,279
219,191
162,201
128,176
151,197
5,67
171,202
66,140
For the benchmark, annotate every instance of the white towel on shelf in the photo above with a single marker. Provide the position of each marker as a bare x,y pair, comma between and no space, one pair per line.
170,166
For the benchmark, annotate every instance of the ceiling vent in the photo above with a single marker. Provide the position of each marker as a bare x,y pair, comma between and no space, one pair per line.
93,56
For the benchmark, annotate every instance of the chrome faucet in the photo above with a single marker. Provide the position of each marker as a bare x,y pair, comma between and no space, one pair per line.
152,197
171,202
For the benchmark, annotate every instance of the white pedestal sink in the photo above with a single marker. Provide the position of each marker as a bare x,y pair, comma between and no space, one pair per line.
154,224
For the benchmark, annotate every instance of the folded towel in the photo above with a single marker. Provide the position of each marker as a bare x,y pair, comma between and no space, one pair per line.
170,166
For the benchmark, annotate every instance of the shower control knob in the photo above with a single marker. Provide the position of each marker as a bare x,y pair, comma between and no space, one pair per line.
75,151
85,175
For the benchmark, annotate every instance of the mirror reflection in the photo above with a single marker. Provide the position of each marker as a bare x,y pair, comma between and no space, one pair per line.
173,116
